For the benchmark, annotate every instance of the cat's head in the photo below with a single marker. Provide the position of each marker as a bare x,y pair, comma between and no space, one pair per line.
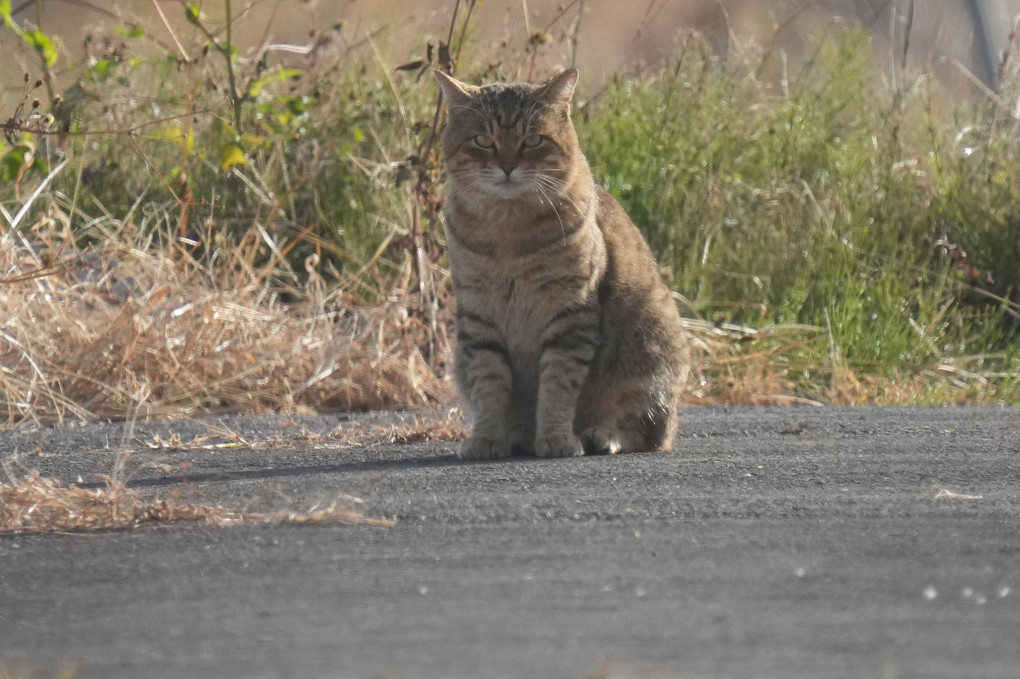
511,142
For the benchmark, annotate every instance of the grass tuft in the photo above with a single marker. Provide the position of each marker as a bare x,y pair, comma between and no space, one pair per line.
37,504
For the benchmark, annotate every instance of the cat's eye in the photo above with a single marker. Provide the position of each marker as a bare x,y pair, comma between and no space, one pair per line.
532,140
483,142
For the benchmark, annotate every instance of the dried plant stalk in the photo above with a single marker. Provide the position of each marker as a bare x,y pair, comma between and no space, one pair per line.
38,504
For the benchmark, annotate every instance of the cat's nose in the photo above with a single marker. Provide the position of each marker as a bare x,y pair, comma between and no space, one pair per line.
507,167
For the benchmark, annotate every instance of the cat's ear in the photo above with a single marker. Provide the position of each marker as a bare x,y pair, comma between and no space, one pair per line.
560,90
455,92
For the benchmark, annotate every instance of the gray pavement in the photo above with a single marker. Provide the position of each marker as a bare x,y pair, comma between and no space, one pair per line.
773,542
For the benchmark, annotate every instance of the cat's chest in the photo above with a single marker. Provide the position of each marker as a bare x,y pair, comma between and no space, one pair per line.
520,300
522,307
520,297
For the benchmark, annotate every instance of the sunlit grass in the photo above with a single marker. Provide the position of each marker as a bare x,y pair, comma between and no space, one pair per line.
839,205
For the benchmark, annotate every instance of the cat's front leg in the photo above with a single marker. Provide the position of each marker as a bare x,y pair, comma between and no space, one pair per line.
486,381
569,344
490,399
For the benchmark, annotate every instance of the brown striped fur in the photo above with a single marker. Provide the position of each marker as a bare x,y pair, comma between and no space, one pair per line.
568,340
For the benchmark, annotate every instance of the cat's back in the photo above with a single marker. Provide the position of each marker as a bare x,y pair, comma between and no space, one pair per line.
631,264
633,295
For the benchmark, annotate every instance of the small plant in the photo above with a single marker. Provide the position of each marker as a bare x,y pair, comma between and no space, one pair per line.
41,43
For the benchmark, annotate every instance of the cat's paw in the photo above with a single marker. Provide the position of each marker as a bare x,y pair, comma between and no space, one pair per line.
559,445
484,448
600,441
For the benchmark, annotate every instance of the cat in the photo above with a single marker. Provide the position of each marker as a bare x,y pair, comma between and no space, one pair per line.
568,340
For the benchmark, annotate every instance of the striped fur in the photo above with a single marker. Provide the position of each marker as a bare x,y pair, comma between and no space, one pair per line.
568,340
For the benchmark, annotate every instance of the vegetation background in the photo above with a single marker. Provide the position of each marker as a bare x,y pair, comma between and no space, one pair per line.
203,209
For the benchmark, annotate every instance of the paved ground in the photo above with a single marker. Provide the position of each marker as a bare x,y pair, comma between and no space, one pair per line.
774,542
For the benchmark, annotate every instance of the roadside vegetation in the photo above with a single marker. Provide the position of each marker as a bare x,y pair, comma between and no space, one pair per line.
870,237
183,230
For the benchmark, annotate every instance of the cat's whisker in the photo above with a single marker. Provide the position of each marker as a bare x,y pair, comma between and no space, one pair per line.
557,186
545,178
541,191
458,186
453,195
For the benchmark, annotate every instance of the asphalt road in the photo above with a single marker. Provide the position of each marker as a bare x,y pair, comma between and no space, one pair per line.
773,542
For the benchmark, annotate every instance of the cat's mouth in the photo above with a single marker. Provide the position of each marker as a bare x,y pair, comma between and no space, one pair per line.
513,186
509,186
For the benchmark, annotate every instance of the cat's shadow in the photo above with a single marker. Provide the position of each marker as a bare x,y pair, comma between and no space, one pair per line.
352,467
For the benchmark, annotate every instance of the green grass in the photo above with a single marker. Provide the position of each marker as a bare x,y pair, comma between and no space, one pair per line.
834,241
842,206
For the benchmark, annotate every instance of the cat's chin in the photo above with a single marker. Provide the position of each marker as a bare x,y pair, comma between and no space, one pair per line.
507,190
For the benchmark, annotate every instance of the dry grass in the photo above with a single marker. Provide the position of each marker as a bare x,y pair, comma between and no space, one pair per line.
32,503
737,365
149,332
417,430
795,364
36,504
155,330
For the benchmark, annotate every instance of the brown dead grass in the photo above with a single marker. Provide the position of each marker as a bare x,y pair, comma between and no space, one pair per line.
424,429
37,504
32,503
150,332
789,364
737,365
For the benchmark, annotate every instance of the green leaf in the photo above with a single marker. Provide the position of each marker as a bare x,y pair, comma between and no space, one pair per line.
230,155
103,69
125,32
16,160
43,43
185,140
193,13
5,14
295,105
10,164
254,141
255,87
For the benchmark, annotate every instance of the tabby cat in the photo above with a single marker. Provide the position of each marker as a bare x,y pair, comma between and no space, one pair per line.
567,339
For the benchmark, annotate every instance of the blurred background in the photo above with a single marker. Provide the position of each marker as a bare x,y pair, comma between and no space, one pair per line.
962,42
